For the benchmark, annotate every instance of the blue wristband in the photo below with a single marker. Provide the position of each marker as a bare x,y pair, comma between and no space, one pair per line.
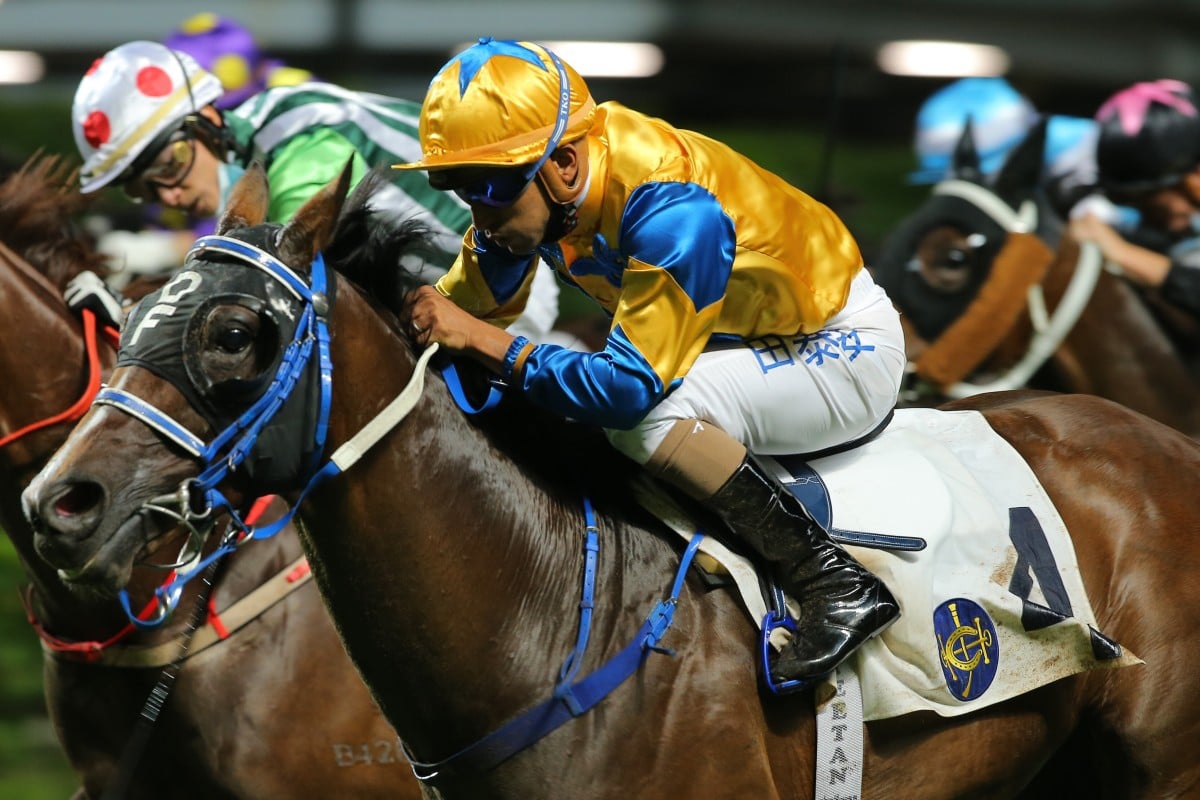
512,354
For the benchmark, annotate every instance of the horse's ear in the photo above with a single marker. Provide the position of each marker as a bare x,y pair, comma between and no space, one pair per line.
248,201
311,229
1023,166
965,163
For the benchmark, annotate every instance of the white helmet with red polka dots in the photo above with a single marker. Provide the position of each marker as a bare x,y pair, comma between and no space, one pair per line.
130,96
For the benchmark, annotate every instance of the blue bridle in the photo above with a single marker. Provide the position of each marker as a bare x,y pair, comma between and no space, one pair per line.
229,448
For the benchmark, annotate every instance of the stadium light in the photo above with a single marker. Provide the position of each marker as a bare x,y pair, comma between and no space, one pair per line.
942,59
21,66
605,59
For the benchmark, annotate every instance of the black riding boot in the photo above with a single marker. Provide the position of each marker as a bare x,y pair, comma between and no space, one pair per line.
841,603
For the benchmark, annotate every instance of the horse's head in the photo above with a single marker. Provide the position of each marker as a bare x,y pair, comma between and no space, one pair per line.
219,374
935,262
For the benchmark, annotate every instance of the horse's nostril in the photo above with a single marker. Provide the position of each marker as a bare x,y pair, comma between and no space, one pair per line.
80,498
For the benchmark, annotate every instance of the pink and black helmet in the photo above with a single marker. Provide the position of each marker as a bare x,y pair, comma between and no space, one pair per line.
1149,137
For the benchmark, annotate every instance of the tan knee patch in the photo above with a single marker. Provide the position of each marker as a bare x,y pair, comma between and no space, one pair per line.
696,457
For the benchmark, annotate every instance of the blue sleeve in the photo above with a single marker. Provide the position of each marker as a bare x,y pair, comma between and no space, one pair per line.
682,229
676,256
614,388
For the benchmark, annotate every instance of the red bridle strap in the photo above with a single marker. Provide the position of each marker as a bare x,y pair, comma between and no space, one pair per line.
80,407
92,651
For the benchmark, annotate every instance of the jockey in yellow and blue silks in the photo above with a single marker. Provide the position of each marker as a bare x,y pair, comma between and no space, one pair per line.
742,315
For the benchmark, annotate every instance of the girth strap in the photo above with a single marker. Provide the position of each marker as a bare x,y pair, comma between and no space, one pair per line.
569,700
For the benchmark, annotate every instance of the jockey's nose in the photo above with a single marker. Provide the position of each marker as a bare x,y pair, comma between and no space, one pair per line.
171,197
485,217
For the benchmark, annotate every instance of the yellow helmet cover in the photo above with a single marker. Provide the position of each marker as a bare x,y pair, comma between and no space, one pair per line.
501,103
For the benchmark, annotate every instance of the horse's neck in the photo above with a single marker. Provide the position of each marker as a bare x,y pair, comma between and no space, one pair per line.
43,356
438,471
453,575
1121,351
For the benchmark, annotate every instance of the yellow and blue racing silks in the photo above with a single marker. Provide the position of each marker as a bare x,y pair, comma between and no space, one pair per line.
680,239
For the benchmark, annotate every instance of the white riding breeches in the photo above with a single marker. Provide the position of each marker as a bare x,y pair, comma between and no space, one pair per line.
790,394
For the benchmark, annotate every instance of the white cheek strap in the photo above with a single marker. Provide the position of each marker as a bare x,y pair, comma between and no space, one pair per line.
1023,220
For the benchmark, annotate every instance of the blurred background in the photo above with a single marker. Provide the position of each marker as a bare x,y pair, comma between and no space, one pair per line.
822,93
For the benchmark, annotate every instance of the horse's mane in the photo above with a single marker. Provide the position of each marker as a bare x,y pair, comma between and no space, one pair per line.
369,249
38,209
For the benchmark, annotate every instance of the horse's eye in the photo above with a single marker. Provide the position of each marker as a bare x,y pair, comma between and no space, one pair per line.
234,339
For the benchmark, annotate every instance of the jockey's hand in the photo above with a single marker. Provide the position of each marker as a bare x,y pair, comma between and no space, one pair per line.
1139,264
435,318
88,290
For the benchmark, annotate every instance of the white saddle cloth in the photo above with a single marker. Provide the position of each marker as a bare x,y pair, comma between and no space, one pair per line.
993,607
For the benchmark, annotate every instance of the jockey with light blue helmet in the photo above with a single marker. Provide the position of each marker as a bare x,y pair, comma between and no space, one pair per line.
1000,118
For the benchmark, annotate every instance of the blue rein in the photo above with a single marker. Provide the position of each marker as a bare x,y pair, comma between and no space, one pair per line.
570,698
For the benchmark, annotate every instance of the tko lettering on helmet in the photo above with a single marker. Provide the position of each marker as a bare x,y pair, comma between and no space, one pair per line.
169,296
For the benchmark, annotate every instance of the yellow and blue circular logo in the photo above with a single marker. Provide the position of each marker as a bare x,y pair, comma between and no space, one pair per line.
967,646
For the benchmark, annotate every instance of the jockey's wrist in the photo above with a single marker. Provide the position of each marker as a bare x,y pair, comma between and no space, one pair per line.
515,357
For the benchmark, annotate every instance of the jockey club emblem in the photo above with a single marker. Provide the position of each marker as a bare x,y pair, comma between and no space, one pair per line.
967,646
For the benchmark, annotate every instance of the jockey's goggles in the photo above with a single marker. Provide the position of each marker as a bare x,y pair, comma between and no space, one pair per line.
499,188
171,157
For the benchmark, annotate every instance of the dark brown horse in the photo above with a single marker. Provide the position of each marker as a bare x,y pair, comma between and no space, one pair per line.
970,271
450,557
274,710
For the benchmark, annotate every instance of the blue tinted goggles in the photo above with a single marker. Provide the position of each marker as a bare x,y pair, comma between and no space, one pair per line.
500,188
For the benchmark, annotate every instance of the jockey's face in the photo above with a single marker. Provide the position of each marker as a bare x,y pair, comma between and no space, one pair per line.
1171,209
198,191
519,227
509,206
180,171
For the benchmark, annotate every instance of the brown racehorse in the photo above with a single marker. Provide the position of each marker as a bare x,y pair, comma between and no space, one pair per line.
450,557
275,710
961,267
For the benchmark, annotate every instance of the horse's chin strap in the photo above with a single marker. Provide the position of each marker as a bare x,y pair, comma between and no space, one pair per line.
80,406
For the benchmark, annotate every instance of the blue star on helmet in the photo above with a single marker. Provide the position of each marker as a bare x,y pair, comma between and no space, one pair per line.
473,58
